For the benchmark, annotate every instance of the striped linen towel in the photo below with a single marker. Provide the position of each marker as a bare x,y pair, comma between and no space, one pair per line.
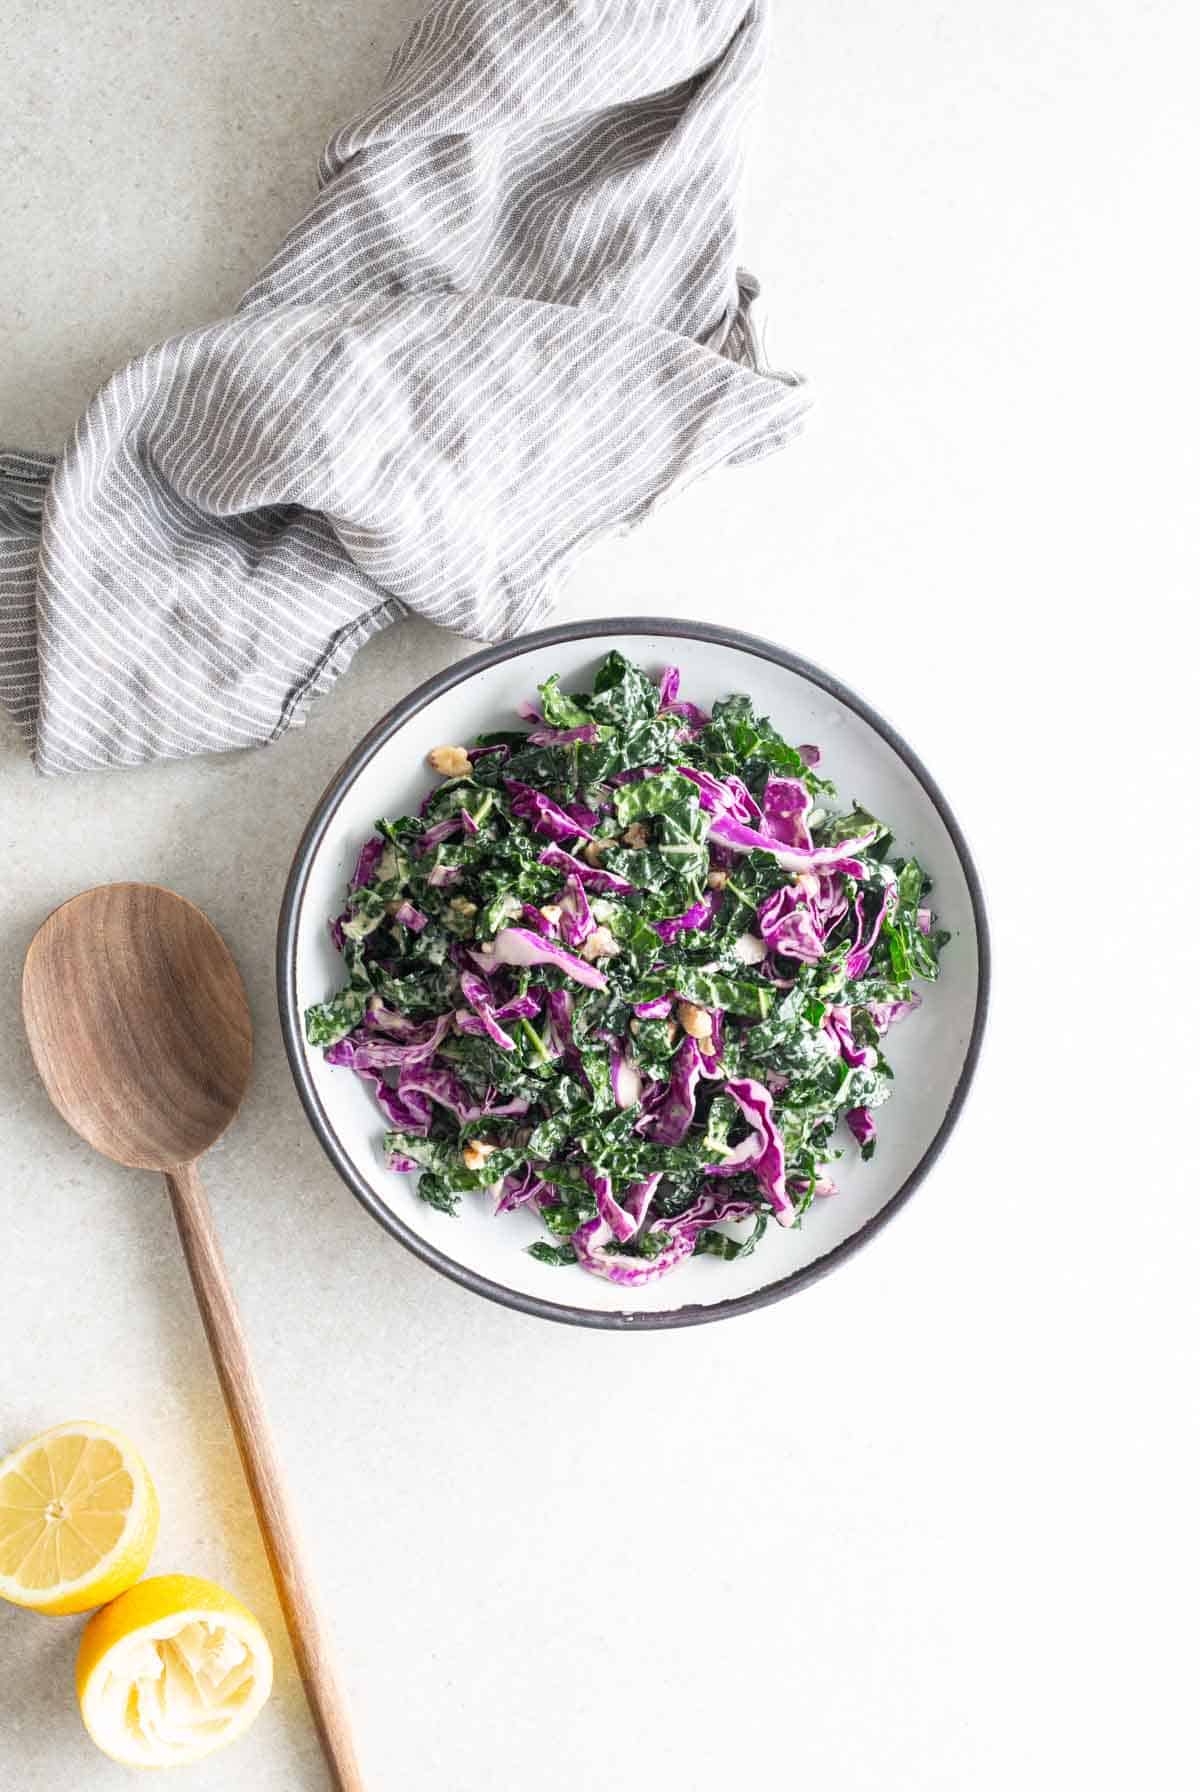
511,322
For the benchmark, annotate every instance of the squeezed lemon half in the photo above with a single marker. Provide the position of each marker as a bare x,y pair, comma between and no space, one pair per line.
78,1519
171,1670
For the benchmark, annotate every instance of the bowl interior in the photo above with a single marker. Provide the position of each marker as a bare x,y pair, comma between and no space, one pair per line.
928,1050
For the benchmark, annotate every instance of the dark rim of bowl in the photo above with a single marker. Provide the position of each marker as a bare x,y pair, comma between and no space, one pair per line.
293,1037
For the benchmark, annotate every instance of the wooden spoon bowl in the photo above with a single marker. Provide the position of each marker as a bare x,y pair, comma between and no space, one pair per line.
138,1022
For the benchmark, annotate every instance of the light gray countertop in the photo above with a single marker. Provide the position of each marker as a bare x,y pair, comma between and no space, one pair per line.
928,1526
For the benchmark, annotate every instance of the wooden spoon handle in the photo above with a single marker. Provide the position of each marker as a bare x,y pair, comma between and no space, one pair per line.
227,1341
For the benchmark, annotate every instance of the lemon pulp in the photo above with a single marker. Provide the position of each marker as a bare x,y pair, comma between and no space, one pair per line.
171,1670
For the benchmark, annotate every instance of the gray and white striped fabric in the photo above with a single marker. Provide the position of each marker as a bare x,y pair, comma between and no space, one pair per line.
511,322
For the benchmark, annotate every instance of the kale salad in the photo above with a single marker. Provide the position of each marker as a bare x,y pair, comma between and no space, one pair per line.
630,967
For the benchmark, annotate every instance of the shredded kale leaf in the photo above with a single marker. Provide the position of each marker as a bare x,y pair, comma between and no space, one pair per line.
749,746
552,1253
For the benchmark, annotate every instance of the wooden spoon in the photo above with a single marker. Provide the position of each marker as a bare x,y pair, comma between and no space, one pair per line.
140,1030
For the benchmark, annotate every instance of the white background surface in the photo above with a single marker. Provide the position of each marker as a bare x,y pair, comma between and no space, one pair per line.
932,1524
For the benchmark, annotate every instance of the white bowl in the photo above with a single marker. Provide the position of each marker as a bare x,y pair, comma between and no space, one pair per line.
932,1051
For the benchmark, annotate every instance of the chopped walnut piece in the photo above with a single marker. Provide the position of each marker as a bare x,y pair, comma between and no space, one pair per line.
452,762
695,1021
599,944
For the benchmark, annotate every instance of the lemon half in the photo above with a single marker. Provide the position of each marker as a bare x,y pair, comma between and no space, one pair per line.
78,1519
171,1670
